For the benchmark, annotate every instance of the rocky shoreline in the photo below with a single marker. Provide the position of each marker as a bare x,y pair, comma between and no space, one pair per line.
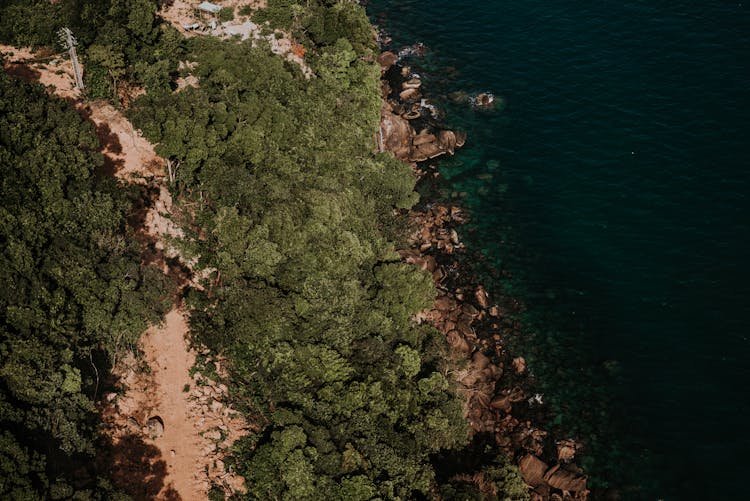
500,405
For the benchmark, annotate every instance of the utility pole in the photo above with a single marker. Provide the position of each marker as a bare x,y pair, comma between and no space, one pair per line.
69,42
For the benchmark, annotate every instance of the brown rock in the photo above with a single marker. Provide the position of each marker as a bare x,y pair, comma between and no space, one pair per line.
501,403
479,361
444,303
469,310
481,296
426,151
566,478
466,329
470,379
458,342
447,140
492,372
438,275
532,470
414,113
516,394
387,59
423,137
409,95
397,135
413,83
566,450
519,365
484,100
429,264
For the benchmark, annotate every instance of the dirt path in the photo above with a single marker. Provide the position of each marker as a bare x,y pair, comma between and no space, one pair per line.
183,417
169,429
170,361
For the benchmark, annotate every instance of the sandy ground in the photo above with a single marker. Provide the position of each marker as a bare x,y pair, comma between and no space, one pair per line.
179,453
52,71
184,417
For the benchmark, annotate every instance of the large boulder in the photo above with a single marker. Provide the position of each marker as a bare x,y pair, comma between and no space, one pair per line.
423,137
397,135
386,60
532,470
566,478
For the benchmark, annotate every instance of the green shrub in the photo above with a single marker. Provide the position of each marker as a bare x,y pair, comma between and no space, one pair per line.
226,14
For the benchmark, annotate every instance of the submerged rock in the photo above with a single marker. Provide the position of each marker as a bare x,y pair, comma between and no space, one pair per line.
484,100
459,97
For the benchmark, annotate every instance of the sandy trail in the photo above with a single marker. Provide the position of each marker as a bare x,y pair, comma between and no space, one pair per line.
189,428
169,429
170,361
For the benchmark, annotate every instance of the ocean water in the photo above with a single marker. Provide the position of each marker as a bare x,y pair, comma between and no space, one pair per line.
613,183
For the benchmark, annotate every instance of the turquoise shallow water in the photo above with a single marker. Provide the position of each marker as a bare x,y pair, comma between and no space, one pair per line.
614,184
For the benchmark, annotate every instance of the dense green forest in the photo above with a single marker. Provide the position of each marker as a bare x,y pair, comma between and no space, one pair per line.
308,300
73,294
287,206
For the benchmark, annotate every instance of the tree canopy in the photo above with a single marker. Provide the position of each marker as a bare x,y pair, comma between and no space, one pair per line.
287,209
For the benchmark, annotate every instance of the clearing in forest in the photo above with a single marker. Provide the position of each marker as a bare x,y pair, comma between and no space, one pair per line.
169,428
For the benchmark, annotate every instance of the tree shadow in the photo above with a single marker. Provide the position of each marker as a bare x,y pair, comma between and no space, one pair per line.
109,142
22,71
137,469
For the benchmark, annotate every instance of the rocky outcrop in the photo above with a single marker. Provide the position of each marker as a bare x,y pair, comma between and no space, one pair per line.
401,138
495,387
399,133
494,384
543,479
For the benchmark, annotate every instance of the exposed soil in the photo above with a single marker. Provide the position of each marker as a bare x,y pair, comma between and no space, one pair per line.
184,417
169,429
184,15
48,71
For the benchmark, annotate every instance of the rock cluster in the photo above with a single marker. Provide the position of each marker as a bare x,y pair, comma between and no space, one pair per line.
401,108
567,478
492,382
495,386
218,423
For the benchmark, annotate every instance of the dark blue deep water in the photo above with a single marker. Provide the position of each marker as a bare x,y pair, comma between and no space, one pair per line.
614,185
